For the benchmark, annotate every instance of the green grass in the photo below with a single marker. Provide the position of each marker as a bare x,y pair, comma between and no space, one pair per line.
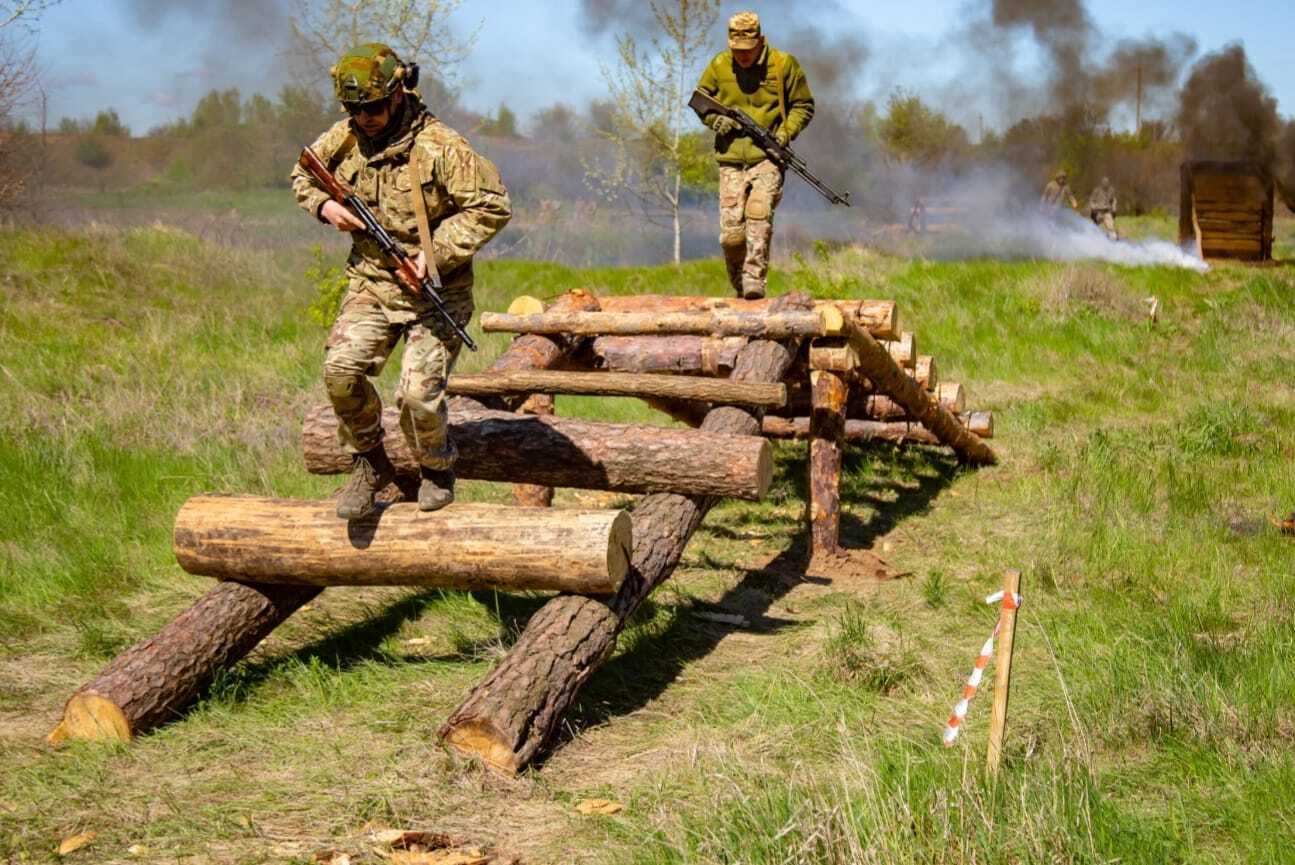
1153,706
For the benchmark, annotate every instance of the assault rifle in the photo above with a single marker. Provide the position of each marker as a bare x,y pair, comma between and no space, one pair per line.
424,288
785,157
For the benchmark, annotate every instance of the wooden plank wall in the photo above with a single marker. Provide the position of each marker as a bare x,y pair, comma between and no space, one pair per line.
1227,210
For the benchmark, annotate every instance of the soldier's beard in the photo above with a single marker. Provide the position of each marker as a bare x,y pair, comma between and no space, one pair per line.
394,125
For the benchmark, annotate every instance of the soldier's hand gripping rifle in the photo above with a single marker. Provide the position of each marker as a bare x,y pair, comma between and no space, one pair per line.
425,287
782,155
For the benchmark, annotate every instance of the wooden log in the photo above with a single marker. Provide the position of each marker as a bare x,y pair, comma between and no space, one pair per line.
832,353
698,355
827,434
155,680
904,350
510,715
980,423
880,367
621,384
768,325
533,351
534,495
565,452
463,546
952,396
879,317
925,372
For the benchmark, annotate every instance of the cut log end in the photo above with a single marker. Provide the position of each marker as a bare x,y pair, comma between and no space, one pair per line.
91,718
526,305
481,740
764,469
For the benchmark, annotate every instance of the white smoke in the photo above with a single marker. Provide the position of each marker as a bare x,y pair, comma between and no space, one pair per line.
994,213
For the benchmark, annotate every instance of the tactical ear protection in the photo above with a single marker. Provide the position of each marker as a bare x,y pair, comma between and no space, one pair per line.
407,75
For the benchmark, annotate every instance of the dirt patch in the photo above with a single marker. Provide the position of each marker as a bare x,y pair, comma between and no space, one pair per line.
849,566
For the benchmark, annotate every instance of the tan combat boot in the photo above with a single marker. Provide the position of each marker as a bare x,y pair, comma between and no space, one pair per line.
370,472
734,259
436,490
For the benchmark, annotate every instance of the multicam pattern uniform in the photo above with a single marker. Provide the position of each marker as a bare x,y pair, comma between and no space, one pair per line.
466,206
750,185
1101,209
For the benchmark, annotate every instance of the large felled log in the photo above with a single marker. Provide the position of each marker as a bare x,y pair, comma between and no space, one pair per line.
824,321
877,364
827,432
879,317
534,351
980,422
154,681
464,546
564,452
621,384
511,714
695,355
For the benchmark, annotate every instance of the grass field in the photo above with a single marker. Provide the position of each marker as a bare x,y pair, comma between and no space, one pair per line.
1153,704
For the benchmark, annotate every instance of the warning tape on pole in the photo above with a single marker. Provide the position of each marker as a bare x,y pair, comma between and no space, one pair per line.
954,726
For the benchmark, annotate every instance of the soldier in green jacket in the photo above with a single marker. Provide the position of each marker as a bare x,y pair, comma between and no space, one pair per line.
770,86
392,152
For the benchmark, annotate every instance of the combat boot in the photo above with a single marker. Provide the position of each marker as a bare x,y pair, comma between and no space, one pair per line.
371,471
436,490
734,259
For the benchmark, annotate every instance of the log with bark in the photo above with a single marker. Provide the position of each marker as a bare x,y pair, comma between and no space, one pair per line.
689,355
155,680
511,714
535,351
879,317
823,321
904,350
535,495
463,546
833,354
981,423
926,373
564,452
620,384
877,364
827,433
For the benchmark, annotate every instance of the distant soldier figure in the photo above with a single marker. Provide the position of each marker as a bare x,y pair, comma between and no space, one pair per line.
1056,194
769,86
1102,207
408,167
917,217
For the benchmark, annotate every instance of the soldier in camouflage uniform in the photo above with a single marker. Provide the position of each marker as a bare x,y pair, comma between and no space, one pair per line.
770,86
1102,206
390,150
1057,193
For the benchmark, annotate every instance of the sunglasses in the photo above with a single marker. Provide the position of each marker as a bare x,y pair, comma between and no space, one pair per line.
369,109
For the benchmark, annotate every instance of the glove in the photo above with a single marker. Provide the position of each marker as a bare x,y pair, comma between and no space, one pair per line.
724,125
782,137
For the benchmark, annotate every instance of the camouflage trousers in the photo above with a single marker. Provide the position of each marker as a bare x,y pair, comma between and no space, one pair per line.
1105,220
747,198
363,337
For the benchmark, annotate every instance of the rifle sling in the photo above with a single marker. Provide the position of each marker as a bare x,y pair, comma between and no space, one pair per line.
420,209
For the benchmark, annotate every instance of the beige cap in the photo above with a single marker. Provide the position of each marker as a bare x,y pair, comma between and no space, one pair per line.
744,31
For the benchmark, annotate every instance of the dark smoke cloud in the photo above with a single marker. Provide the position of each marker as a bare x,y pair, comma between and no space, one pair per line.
599,17
1226,113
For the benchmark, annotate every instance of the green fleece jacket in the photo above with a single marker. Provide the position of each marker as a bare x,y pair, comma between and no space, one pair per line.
755,91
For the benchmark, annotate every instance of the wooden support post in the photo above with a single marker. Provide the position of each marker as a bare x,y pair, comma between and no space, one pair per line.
534,495
1003,669
827,433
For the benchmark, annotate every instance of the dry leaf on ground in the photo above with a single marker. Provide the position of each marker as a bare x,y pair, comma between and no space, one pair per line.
76,842
599,806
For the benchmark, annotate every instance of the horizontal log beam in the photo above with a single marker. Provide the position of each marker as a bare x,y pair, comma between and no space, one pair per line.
697,355
878,317
564,452
621,384
981,423
771,325
463,546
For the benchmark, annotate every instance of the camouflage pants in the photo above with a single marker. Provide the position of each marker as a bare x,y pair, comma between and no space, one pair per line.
1105,220
363,337
747,198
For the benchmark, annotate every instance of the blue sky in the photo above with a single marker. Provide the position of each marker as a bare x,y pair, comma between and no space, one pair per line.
151,59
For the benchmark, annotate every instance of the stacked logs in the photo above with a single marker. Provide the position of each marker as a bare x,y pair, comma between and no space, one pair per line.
737,372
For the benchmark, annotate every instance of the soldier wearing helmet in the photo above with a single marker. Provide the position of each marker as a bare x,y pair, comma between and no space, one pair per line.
1057,193
409,168
1102,205
770,87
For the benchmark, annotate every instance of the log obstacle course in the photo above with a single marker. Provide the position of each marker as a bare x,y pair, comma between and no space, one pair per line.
737,373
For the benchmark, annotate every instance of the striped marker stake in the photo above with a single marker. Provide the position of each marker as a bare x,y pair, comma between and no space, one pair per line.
1009,600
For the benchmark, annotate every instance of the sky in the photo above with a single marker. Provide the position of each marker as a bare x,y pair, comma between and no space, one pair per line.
150,60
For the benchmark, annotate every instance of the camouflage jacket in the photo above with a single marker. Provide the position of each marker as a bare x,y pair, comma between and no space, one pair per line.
467,203
1056,194
755,91
1102,200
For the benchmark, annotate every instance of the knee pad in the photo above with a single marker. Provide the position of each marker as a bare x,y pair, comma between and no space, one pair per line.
735,239
758,209
343,386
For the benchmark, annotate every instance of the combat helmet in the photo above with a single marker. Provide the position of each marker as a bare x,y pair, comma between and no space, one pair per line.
369,72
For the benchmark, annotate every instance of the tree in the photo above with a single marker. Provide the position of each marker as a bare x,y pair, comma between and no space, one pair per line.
108,123
502,125
418,30
651,155
19,79
912,132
